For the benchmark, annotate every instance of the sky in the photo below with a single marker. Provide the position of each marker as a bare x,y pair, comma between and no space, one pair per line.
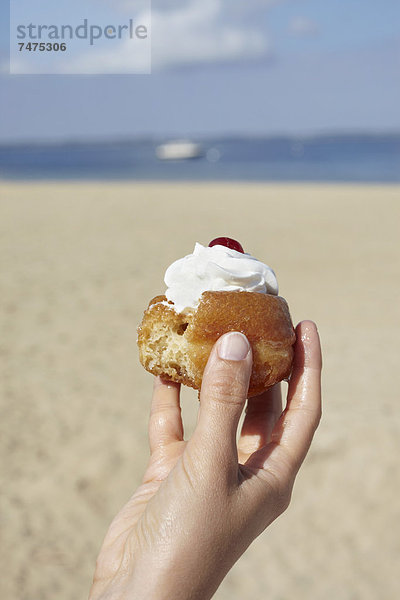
219,67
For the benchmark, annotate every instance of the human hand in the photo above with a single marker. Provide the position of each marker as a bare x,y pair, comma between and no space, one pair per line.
202,502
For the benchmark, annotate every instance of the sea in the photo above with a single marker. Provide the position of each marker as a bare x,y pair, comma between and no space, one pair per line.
363,158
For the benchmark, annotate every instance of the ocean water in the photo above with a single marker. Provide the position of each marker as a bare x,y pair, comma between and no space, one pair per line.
346,158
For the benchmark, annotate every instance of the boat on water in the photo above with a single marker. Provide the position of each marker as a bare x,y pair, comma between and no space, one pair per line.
179,150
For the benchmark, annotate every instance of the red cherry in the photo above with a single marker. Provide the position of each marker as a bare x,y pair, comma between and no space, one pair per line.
228,243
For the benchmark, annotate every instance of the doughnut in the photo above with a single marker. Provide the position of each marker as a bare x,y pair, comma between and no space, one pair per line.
215,290
176,345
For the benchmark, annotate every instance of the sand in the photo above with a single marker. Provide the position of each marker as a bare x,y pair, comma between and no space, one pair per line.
78,263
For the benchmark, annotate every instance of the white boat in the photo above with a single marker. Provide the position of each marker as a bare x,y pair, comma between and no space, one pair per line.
179,150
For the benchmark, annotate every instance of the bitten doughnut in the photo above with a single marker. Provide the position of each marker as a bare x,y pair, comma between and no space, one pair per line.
179,328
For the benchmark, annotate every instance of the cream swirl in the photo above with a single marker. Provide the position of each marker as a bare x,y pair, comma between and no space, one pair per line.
216,269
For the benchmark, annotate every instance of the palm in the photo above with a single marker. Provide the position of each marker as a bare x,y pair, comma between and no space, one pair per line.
165,457
270,450
161,463
112,554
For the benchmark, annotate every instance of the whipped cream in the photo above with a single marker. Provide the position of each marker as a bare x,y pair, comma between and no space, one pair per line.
216,269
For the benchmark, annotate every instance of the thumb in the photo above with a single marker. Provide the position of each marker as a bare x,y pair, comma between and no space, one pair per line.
222,397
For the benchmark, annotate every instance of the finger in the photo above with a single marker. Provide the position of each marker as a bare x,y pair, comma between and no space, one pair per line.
293,432
295,429
222,397
165,424
262,412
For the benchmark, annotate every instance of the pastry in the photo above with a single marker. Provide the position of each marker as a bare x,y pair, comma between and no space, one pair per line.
215,290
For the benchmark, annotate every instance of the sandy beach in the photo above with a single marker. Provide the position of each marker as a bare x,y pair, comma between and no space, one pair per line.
78,265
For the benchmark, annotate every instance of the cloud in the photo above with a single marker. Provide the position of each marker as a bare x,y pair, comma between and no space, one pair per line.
227,6
182,34
303,26
200,32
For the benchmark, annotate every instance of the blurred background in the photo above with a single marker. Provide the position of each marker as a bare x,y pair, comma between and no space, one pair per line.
274,122
269,89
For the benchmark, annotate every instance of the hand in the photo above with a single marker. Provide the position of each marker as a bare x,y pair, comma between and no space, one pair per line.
203,502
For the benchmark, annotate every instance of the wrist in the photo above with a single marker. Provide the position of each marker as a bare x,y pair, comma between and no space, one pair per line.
178,580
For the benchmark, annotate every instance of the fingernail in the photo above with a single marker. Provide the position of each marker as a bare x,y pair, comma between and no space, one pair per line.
233,346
